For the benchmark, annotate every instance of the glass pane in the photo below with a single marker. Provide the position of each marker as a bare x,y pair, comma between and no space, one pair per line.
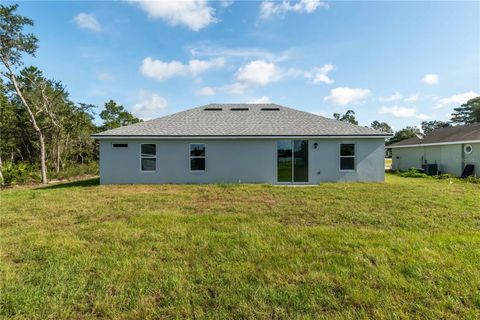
197,164
347,149
347,163
197,150
284,161
149,150
148,164
120,145
300,167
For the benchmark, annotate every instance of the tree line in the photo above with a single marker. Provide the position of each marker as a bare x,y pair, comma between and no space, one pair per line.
467,113
39,124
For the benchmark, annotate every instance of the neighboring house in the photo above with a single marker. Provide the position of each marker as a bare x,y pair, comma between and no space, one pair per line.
251,143
451,149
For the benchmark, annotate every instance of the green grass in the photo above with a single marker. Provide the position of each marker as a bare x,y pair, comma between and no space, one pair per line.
407,248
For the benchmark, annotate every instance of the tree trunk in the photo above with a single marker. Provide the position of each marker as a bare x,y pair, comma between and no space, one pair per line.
58,155
1,165
43,167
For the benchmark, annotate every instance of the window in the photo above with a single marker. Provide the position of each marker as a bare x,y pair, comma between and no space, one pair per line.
120,145
148,157
347,157
197,157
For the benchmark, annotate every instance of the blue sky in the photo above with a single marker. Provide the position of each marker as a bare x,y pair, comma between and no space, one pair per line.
399,62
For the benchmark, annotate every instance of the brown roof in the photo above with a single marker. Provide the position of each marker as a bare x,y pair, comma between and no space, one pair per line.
469,132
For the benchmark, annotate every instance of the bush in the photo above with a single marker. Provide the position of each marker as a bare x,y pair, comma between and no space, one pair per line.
414,173
16,173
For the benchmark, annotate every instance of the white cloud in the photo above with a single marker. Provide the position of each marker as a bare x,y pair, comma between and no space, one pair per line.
258,72
457,99
431,78
394,97
194,14
206,91
236,88
320,75
343,95
263,99
161,70
226,3
149,105
87,21
270,8
105,76
413,98
403,112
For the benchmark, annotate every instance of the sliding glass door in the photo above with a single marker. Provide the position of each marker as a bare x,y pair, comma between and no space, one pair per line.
292,161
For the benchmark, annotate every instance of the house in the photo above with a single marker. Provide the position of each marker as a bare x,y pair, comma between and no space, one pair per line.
448,149
250,143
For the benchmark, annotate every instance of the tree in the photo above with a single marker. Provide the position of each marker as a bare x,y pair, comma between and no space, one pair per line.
14,43
429,126
115,116
467,113
349,116
381,126
405,133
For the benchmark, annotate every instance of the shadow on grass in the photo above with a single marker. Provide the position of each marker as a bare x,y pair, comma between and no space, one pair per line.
79,183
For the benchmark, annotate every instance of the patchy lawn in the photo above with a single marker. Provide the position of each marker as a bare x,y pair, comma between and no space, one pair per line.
407,248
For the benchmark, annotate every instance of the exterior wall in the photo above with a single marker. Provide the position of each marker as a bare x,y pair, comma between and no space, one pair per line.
450,158
236,160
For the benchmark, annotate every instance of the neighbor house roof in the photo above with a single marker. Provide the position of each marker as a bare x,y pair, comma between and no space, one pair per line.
242,120
451,135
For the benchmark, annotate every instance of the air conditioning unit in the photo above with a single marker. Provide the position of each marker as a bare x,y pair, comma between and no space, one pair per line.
431,169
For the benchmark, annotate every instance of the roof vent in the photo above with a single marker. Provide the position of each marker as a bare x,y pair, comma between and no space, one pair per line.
270,109
239,109
213,109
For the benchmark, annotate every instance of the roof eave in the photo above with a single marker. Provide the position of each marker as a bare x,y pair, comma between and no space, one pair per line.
99,137
432,144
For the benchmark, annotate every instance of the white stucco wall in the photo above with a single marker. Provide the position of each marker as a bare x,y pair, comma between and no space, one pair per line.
236,160
450,158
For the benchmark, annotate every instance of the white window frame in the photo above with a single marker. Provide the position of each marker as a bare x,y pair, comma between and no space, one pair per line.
354,157
148,157
190,157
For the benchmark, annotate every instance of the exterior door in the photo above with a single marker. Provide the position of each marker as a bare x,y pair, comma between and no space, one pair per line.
292,161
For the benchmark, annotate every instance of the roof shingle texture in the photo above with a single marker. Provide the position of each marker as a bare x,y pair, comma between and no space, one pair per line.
252,122
469,132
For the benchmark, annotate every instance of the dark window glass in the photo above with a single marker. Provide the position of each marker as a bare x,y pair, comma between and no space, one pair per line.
347,149
149,150
197,150
149,164
120,145
300,163
284,161
347,163
197,164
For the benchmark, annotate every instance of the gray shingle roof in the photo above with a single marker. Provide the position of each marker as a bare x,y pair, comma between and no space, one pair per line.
469,132
257,120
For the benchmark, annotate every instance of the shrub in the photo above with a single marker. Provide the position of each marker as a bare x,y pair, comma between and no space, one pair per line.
414,173
14,173
445,176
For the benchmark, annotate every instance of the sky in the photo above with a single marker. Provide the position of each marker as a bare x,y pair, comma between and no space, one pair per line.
398,62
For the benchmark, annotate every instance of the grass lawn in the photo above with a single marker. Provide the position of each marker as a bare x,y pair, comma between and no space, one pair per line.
407,248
